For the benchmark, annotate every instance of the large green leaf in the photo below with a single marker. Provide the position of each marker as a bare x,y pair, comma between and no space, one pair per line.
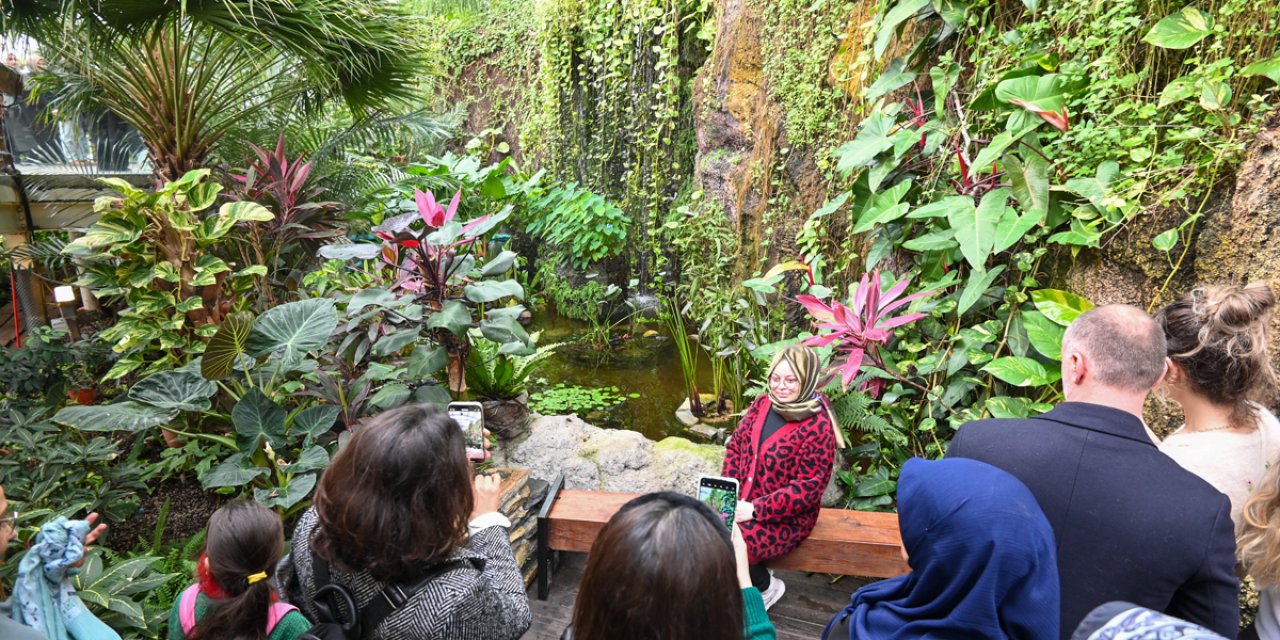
375,296
976,228
871,141
999,144
227,345
391,395
979,282
257,417
943,208
1007,407
181,390
1269,68
895,76
485,292
395,341
1045,334
425,361
1020,372
1012,227
940,240
498,264
233,472
314,422
885,207
1040,96
1029,180
228,216
121,416
294,328
1060,306
893,19
313,459
455,317
1181,30
284,497
507,332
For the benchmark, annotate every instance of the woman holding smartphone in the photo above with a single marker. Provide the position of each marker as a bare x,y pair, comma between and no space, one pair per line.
781,455
640,582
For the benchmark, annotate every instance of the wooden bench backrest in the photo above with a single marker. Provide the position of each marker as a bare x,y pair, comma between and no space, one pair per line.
844,542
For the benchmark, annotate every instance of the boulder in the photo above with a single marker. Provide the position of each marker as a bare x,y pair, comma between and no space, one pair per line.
612,460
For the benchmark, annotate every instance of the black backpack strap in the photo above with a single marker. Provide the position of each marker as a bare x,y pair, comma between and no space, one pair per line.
393,597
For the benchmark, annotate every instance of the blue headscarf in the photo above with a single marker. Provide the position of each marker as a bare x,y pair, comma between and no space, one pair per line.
982,560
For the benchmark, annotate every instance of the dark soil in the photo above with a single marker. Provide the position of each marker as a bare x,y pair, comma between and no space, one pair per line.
189,511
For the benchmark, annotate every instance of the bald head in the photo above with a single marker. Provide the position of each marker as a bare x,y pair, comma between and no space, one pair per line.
1123,345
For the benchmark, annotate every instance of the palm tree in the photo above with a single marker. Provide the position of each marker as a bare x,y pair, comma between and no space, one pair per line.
186,73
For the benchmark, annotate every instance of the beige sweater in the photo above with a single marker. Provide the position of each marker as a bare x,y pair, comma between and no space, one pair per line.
1233,463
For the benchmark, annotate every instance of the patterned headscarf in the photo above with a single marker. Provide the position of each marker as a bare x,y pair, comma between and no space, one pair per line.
1125,621
804,362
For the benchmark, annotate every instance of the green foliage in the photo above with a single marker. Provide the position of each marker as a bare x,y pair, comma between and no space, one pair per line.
616,103
45,367
561,399
495,375
118,590
156,252
582,225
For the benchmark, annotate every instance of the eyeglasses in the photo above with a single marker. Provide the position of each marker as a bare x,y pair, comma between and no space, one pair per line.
9,518
789,381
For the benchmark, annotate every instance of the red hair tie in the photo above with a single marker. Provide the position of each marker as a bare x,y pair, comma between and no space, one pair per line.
208,583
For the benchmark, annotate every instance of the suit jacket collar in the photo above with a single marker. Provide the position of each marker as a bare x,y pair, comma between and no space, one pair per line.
1095,417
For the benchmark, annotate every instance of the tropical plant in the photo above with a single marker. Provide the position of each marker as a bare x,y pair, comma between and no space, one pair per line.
563,398
36,372
434,260
301,223
494,375
231,60
117,590
858,331
583,225
156,251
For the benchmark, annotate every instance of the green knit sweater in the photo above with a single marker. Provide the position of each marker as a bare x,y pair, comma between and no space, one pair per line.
290,627
755,621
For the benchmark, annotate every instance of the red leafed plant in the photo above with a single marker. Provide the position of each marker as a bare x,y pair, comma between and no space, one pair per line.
858,330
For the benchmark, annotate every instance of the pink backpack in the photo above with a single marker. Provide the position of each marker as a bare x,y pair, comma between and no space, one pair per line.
187,611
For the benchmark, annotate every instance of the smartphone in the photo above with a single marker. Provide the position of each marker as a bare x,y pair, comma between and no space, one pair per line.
470,416
721,494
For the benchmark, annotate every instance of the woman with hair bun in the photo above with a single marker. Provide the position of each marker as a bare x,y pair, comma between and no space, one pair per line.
1220,374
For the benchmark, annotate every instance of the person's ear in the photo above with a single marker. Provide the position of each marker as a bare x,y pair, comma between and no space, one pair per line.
1171,375
1075,367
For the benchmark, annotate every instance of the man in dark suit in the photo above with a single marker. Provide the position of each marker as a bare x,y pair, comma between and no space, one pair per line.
1130,523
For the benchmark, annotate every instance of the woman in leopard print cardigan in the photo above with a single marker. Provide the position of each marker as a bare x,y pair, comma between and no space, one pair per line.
782,455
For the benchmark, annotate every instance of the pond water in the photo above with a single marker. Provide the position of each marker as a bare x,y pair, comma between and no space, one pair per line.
642,360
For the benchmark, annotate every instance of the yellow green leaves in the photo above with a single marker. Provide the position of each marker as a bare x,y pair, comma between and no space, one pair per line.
1181,30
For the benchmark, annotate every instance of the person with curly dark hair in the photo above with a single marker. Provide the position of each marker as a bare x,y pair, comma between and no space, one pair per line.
397,504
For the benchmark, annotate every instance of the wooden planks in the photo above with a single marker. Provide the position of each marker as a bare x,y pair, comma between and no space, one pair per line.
843,542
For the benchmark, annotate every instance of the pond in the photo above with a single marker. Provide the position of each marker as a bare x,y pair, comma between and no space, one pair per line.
641,360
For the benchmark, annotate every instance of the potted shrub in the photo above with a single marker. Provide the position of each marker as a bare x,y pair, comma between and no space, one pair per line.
500,381
90,361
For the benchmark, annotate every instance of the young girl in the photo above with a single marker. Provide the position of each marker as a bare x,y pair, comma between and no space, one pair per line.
1258,547
233,596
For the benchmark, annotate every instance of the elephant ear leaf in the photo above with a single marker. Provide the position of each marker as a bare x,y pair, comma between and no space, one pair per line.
293,329
227,345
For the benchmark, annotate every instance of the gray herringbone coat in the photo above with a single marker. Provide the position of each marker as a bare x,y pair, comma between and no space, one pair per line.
461,604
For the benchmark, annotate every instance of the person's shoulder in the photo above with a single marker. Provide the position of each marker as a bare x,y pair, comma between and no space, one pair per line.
995,426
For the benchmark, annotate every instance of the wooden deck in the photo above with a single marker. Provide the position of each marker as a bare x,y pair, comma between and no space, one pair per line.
809,602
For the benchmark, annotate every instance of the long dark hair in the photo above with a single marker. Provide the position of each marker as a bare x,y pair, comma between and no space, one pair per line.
396,498
245,538
662,568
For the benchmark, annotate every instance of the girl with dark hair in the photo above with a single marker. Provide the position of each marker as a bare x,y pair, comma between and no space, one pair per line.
781,455
1220,374
397,508
666,567
233,597
982,556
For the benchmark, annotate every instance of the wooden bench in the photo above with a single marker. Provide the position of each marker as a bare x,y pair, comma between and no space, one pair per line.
857,543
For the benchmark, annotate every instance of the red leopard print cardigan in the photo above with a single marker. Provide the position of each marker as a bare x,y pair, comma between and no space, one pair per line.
783,480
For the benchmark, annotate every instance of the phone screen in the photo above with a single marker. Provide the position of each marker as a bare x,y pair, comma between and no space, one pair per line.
721,494
471,419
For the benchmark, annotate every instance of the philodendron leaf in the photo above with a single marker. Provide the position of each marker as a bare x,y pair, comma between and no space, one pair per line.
1045,334
976,228
297,490
121,416
257,417
425,361
364,251
1020,372
390,396
294,328
498,264
485,292
979,282
893,19
313,459
181,390
1181,30
1166,240
1060,306
872,139
233,472
454,316
1269,68
314,422
227,345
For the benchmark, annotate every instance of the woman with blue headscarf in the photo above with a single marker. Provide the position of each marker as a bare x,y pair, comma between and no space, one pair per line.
982,561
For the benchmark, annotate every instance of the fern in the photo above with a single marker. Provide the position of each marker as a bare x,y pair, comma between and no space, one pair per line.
496,375
854,410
